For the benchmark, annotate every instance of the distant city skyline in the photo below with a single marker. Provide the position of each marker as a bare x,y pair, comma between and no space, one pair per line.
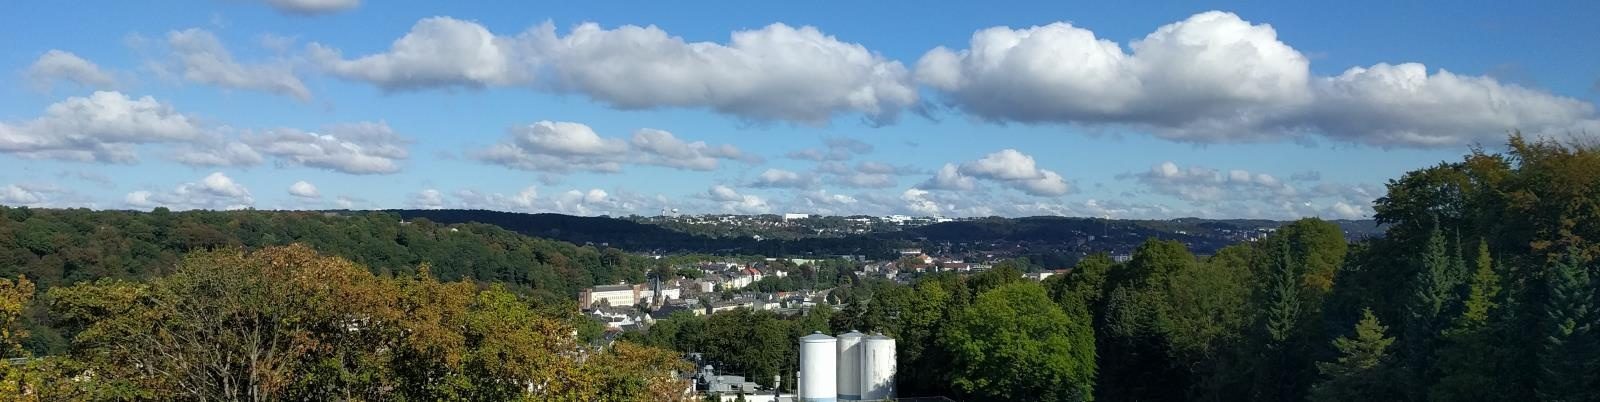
1240,110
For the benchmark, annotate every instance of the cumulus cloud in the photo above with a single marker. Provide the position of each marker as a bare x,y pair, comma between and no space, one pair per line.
949,177
1215,77
103,127
777,72
216,191
14,195
1007,167
354,148
557,147
200,57
57,65
439,52
304,189
428,199
1404,105
779,178
662,148
560,147
1202,184
526,200
217,154
312,7
733,202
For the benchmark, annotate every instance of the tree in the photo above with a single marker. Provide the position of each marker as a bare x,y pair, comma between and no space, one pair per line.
14,298
1432,291
1362,371
1568,359
1471,355
1014,344
1277,327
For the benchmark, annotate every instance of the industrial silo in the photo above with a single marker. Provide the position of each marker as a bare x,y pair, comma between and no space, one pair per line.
819,365
850,366
877,367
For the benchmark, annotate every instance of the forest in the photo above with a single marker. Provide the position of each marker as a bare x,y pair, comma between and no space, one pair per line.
1483,288
63,247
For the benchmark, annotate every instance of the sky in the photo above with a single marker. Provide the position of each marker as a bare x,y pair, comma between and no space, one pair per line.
1159,110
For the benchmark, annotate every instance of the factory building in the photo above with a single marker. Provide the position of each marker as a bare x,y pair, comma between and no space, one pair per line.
852,367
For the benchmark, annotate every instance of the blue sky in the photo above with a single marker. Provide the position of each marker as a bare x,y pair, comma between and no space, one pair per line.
1247,109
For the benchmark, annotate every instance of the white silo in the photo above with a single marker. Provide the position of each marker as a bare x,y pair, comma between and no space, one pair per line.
819,365
877,367
850,366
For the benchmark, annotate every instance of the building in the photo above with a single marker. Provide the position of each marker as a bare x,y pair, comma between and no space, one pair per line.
611,295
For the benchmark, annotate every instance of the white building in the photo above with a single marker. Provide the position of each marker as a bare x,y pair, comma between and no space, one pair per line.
613,295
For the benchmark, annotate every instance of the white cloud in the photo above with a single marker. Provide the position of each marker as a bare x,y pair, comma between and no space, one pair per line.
1007,167
662,148
14,195
1403,105
721,193
779,178
1205,185
777,72
304,189
1342,210
438,52
354,148
103,127
427,199
1007,164
950,178
202,58
526,200
57,65
312,7
344,202
557,147
217,154
216,191
1215,77
560,147
918,201
733,202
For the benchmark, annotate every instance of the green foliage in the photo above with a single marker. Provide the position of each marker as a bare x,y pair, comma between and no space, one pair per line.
1014,344
287,323
1363,369
1569,359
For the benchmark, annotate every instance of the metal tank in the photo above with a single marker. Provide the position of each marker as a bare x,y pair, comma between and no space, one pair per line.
818,368
850,366
877,367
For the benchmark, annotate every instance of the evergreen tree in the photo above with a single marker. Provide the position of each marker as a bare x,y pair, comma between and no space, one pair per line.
1282,312
1470,358
1362,371
1483,291
1431,291
1567,362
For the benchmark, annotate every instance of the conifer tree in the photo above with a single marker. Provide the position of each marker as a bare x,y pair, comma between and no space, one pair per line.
1282,303
1362,370
1482,292
1568,360
1470,359
1431,291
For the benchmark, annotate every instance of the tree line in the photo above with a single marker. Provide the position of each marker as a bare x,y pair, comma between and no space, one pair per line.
285,323
54,247
1483,288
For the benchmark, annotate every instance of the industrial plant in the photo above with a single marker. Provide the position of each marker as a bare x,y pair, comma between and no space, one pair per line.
851,367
